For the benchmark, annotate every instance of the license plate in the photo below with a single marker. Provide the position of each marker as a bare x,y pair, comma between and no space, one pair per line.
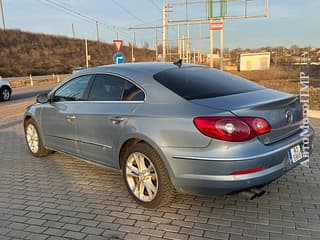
295,154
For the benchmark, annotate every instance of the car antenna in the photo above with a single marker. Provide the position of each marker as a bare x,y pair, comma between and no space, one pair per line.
178,63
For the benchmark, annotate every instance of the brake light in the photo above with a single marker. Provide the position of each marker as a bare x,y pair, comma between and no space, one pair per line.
259,125
233,129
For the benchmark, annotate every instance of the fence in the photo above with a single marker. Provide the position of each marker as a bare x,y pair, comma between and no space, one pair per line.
16,82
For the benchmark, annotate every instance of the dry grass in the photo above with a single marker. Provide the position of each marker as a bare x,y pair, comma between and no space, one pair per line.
287,80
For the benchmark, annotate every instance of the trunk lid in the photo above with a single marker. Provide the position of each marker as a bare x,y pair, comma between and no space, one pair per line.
283,111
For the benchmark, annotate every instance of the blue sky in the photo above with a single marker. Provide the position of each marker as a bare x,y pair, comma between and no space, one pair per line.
289,21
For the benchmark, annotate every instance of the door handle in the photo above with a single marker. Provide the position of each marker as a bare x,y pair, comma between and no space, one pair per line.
71,118
117,119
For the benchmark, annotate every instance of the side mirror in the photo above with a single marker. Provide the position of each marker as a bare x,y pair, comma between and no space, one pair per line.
42,98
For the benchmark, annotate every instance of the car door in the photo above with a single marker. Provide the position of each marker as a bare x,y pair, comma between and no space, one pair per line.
104,117
59,116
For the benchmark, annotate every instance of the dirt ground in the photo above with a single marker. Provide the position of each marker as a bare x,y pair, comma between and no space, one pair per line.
287,82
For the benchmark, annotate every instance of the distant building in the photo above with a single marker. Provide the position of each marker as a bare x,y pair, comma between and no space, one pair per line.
254,61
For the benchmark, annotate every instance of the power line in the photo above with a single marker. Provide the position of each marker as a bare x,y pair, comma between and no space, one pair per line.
68,12
156,5
76,13
82,16
127,11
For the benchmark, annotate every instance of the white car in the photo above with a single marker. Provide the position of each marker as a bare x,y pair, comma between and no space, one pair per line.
5,90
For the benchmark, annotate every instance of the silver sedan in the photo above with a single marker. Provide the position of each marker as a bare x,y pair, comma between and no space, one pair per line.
171,127
5,90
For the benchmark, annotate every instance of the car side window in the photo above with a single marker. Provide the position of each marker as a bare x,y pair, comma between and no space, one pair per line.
72,90
112,88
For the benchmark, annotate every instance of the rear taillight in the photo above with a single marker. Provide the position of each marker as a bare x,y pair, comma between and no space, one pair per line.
233,129
259,125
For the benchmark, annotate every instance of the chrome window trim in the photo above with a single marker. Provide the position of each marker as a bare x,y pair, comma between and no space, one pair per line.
125,78
105,73
98,102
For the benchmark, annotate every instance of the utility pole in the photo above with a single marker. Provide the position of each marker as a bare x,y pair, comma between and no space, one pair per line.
183,48
188,33
164,31
87,60
97,26
132,46
200,44
179,43
221,45
73,32
211,32
117,36
188,45
222,14
2,14
156,42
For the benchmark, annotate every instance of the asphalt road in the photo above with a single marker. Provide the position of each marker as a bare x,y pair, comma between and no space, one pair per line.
21,98
28,92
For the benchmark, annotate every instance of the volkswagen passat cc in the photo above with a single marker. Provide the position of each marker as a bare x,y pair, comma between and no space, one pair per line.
171,127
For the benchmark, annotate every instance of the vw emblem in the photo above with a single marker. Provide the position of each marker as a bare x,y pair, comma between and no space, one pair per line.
289,116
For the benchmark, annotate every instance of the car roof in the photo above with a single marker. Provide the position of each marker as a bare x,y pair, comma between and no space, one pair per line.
141,72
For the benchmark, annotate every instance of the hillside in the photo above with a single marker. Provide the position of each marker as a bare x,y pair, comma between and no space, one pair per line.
22,53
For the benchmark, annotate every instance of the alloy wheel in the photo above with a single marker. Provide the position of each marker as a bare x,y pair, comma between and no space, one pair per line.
141,177
32,138
6,94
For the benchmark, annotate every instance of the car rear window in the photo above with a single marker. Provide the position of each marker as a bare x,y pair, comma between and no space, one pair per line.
201,82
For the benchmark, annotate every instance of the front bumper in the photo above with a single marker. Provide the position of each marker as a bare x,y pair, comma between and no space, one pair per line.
196,174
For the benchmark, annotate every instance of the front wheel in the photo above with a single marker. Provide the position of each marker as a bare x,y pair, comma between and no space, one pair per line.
34,141
146,176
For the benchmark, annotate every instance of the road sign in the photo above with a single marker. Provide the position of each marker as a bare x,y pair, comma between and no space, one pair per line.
118,58
117,45
216,25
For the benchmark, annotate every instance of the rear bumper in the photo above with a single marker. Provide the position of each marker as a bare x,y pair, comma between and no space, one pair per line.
211,175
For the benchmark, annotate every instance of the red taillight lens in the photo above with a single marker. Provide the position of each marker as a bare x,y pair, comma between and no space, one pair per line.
234,129
259,125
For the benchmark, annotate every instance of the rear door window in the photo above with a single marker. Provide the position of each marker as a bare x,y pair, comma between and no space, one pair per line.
200,82
113,88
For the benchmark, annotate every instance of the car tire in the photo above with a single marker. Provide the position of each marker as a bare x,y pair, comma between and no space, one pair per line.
5,94
146,176
33,139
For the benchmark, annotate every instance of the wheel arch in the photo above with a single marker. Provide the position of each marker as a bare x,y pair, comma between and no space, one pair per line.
132,140
6,87
29,116
26,118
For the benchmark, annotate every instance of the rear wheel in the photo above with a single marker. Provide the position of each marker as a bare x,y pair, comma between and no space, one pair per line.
5,94
146,176
34,141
